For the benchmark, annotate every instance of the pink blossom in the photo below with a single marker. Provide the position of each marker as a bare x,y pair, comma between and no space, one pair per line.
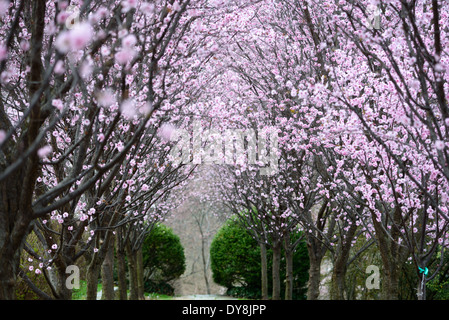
106,98
124,56
62,42
439,145
128,108
80,36
101,137
102,13
58,104
166,131
62,17
147,8
24,45
128,5
44,151
176,6
59,67
129,41
4,4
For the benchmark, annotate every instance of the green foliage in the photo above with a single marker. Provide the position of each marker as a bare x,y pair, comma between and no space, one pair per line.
236,263
23,291
163,259
438,287
233,255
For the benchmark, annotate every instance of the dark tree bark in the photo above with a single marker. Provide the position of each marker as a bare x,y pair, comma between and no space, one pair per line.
264,270
107,274
276,295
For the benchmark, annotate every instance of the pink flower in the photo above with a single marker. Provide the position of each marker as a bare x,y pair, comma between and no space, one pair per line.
129,41
24,45
80,36
59,67
44,151
166,131
128,5
147,8
100,137
62,17
176,6
58,104
439,145
4,4
105,98
62,42
124,56
128,108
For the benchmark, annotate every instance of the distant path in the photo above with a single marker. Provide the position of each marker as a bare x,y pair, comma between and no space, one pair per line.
204,297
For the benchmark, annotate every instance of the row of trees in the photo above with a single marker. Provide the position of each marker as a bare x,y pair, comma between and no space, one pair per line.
354,91
357,91
85,92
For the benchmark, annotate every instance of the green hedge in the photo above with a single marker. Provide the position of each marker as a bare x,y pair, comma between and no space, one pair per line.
236,263
163,259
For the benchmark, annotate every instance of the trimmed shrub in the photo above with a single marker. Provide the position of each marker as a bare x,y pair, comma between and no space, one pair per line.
236,263
163,259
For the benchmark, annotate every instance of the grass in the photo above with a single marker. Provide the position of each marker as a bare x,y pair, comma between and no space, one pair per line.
157,296
80,294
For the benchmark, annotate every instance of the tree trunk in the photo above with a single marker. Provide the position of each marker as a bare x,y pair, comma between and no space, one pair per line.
17,189
314,280
392,254
204,259
132,273
288,269
57,281
107,274
390,282
121,273
92,275
422,288
338,286
139,275
338,282
315,257
264,270
276,295
8,270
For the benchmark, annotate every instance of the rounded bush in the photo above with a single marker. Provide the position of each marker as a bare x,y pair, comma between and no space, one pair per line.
163,259
236,263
